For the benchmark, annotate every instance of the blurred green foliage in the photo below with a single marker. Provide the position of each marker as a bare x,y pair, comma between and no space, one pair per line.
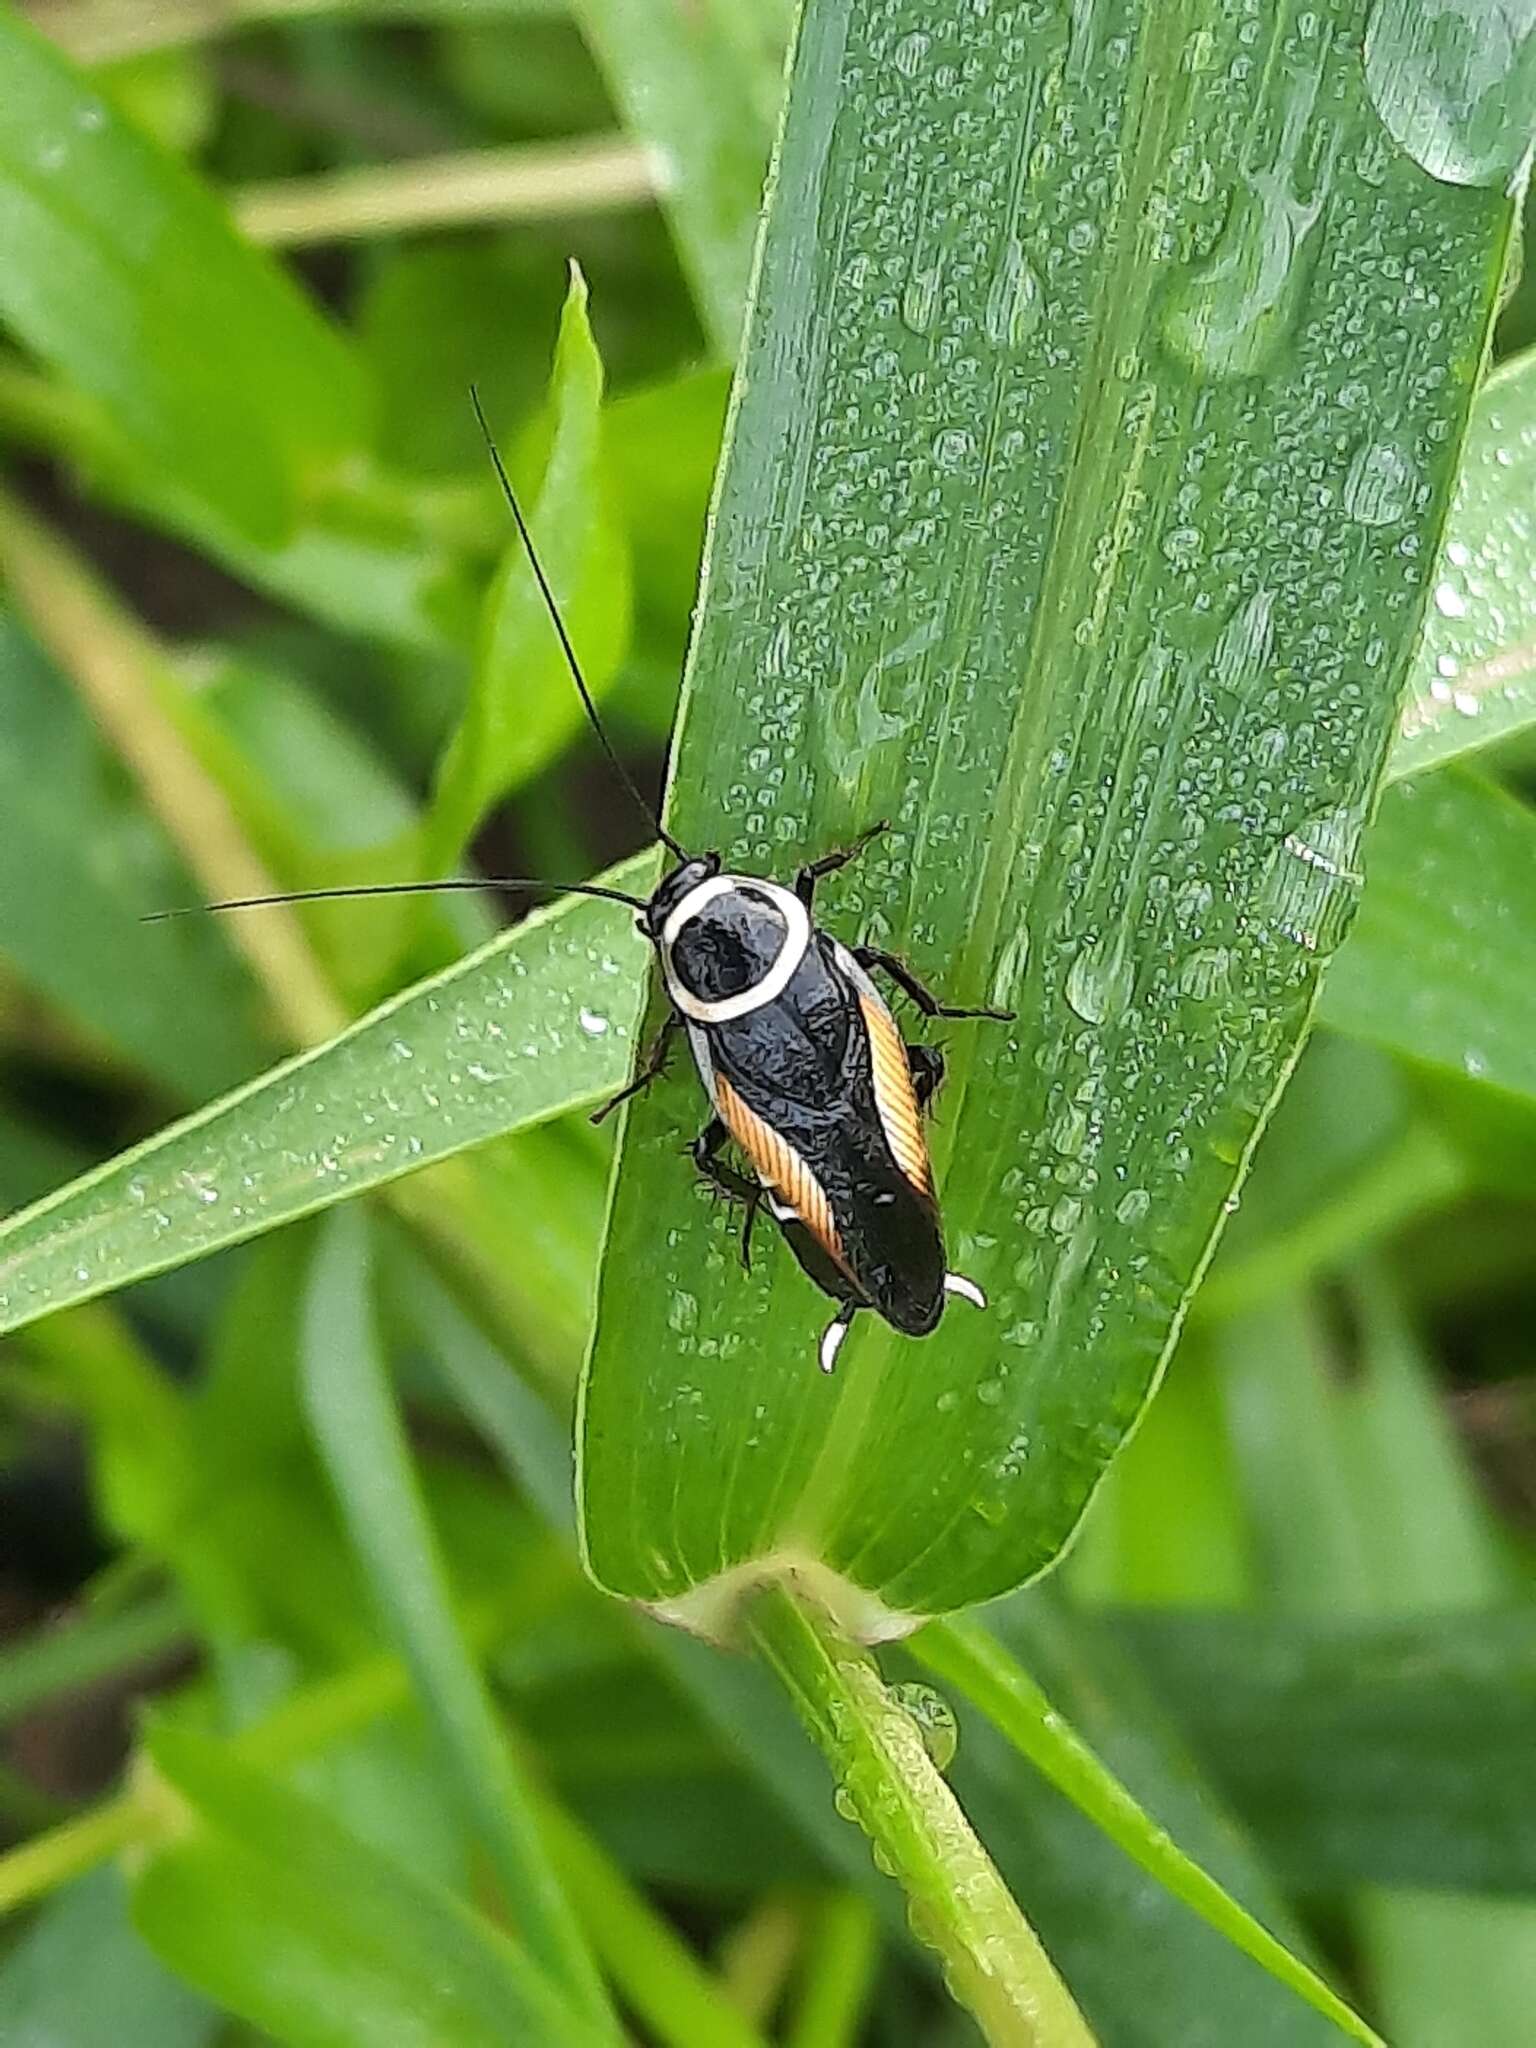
408,1775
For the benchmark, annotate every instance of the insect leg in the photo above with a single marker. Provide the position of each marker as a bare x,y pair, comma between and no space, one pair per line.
925,999
812,872
706,1148
926,1063
655,1060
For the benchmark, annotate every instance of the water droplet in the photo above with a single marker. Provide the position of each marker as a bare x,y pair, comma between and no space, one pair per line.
1010,967
920,299
953,448
990,1392
1013,302
683,1314
1454,82
1310,886
1099,980
1378,486
593,1024
1133,1205
1244,647
1228,316
935,1719
845,1803
1204,974
909,53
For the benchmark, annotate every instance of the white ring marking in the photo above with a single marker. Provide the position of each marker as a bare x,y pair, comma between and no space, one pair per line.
797,937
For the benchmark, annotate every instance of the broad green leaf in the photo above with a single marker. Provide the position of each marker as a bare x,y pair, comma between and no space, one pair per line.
540,1018
700,85
1027,540
1474,679
279,1913
523,705
362,1441
81,1978
1441,963
1344,1744
122,271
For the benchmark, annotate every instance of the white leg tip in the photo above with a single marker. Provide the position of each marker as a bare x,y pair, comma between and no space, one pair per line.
831,1343
956,1283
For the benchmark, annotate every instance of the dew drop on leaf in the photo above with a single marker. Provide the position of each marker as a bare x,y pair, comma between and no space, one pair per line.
935,1720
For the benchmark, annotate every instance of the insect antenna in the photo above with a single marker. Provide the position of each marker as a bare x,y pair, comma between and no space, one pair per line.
397,889
559,625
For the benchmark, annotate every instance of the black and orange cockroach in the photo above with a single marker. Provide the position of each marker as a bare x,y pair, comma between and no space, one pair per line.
807,1073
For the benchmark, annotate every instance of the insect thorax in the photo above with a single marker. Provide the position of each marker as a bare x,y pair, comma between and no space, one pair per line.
731,946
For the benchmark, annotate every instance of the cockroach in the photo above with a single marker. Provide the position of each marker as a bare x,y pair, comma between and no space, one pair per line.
807,1073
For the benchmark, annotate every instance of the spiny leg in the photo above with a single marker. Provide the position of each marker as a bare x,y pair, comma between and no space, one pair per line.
923,996
926,1066
706,1149
813,871
655,1061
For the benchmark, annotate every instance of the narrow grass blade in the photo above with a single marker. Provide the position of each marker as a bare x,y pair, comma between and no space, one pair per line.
362,1442
289,1920
1343,1744
1474,680
89,1647
700,85
522,707
1441,963
841,1960
972,1660
1007,548
512,1035
120,268
1365,1504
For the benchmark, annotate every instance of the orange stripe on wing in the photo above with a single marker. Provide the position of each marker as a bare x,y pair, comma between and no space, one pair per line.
779,1166
894,1096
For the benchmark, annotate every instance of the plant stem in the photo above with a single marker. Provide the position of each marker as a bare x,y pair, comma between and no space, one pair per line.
112,664
965,1655
529,182
888,1782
